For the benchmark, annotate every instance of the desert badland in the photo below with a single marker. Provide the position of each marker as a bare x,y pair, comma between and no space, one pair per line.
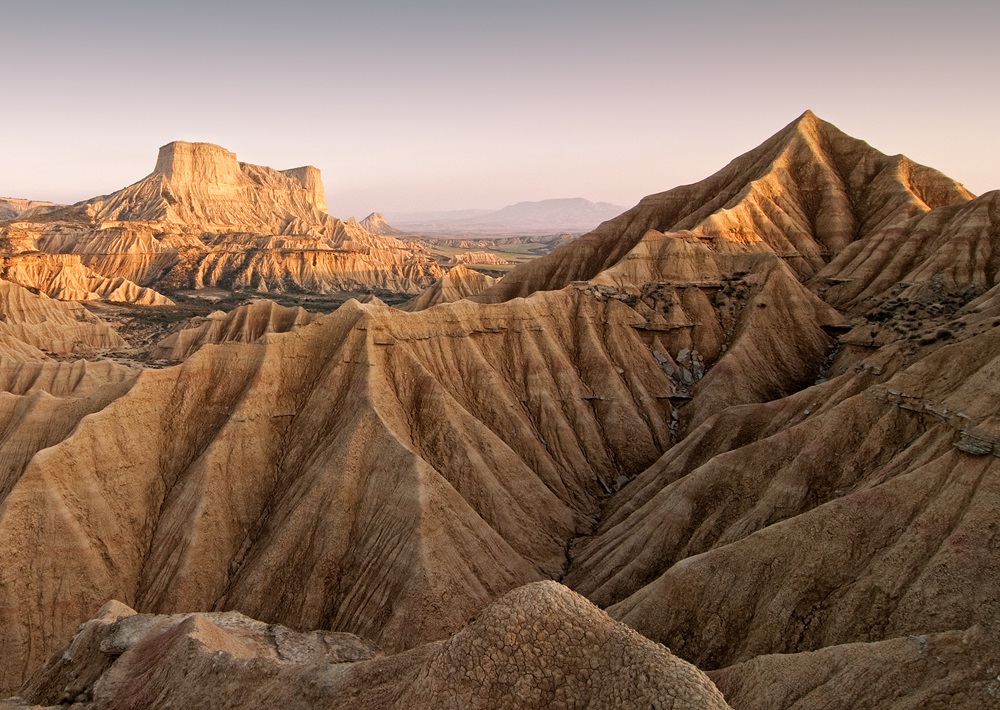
735,447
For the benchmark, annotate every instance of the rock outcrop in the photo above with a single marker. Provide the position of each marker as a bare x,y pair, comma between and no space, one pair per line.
804,195
485,258
539,646
203,186
64,277
40,324
12,207
376,224
455,285
42,346
203,219
308,454
246,324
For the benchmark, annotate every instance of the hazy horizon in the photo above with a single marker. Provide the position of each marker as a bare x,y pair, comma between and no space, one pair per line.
445,106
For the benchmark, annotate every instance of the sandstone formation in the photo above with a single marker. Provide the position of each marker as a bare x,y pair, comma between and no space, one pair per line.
202,219
948,250
35,324
64,277
246,324
376,224
804,195
540,646
479,257
203,185
754,419
210,493
455,285
12,207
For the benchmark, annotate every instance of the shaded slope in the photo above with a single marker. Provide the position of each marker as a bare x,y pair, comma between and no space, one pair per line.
728,327
950,670
949,250
861,522
271,477
691,438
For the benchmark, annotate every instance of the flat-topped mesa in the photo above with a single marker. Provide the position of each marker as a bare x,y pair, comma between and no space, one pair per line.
204,163
204,186
310,179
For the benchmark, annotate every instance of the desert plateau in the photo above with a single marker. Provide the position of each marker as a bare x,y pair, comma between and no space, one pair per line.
484,356
736,447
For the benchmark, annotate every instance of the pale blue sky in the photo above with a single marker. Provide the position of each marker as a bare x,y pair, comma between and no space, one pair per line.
448,105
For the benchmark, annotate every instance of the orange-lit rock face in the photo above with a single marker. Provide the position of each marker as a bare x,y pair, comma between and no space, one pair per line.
201,185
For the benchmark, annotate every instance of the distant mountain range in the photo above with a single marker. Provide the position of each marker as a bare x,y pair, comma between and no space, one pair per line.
573,214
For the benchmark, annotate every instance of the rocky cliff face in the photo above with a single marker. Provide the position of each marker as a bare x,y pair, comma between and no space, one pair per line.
804,195
200,185
246,324
64,277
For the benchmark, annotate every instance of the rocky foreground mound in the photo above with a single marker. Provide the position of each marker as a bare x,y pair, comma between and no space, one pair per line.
755,419
540,646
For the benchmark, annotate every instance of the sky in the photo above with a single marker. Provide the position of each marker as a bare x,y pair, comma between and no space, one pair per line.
442,105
